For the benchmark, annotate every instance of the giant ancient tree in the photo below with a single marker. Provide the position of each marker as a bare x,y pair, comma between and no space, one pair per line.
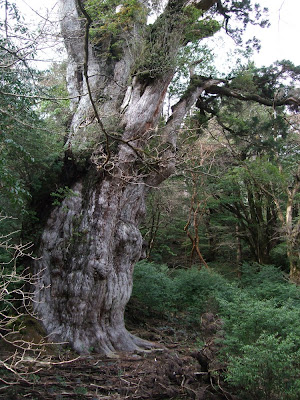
117,149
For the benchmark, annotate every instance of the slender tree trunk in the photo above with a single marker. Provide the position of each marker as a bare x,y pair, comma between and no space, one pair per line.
293,236
291,226
258,225
294,261
211,236
191,228
239,251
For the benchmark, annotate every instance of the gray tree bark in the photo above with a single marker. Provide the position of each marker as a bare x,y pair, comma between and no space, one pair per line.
91,241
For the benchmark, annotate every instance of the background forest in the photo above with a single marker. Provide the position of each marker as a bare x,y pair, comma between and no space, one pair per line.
221,235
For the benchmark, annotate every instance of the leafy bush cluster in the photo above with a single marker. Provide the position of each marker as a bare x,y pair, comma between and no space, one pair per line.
261,317
262,339
177,291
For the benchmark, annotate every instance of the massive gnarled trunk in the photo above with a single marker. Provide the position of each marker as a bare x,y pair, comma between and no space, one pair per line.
91,241
90,245
118,84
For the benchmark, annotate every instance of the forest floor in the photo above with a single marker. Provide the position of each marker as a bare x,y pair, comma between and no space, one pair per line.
170,371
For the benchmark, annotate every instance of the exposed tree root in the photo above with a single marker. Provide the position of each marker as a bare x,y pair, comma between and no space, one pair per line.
149,372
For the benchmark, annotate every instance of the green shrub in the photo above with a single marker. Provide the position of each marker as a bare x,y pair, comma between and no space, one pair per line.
152,286
267,369
247,318
268,282
262,335
261,317
195,289
278,256
181,290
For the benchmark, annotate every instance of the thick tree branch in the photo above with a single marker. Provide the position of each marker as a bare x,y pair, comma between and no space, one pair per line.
225,91
169,135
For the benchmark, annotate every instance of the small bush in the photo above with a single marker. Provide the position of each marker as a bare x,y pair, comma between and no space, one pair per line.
152,286
262,335
185,291
266,282
247,318
267,369
195,290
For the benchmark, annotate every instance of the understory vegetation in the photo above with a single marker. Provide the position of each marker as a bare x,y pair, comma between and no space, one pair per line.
260,337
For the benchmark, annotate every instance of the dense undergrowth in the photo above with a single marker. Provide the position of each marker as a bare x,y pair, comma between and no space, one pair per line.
261,314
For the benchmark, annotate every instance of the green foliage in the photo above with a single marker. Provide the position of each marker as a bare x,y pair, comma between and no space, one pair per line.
29,163
266,282
61,194
163,227
261,317
18,151
191,53
246,318
186,291
268,368
158,44
278,256
153,286
56,112
242,12
28,149
277,80
196,27
195,290
244,183
262,335
30,145
107,20
172,39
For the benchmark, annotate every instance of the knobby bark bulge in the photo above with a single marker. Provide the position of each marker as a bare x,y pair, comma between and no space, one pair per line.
91,241
89,247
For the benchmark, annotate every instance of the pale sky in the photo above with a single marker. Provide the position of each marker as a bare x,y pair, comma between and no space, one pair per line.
280,41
